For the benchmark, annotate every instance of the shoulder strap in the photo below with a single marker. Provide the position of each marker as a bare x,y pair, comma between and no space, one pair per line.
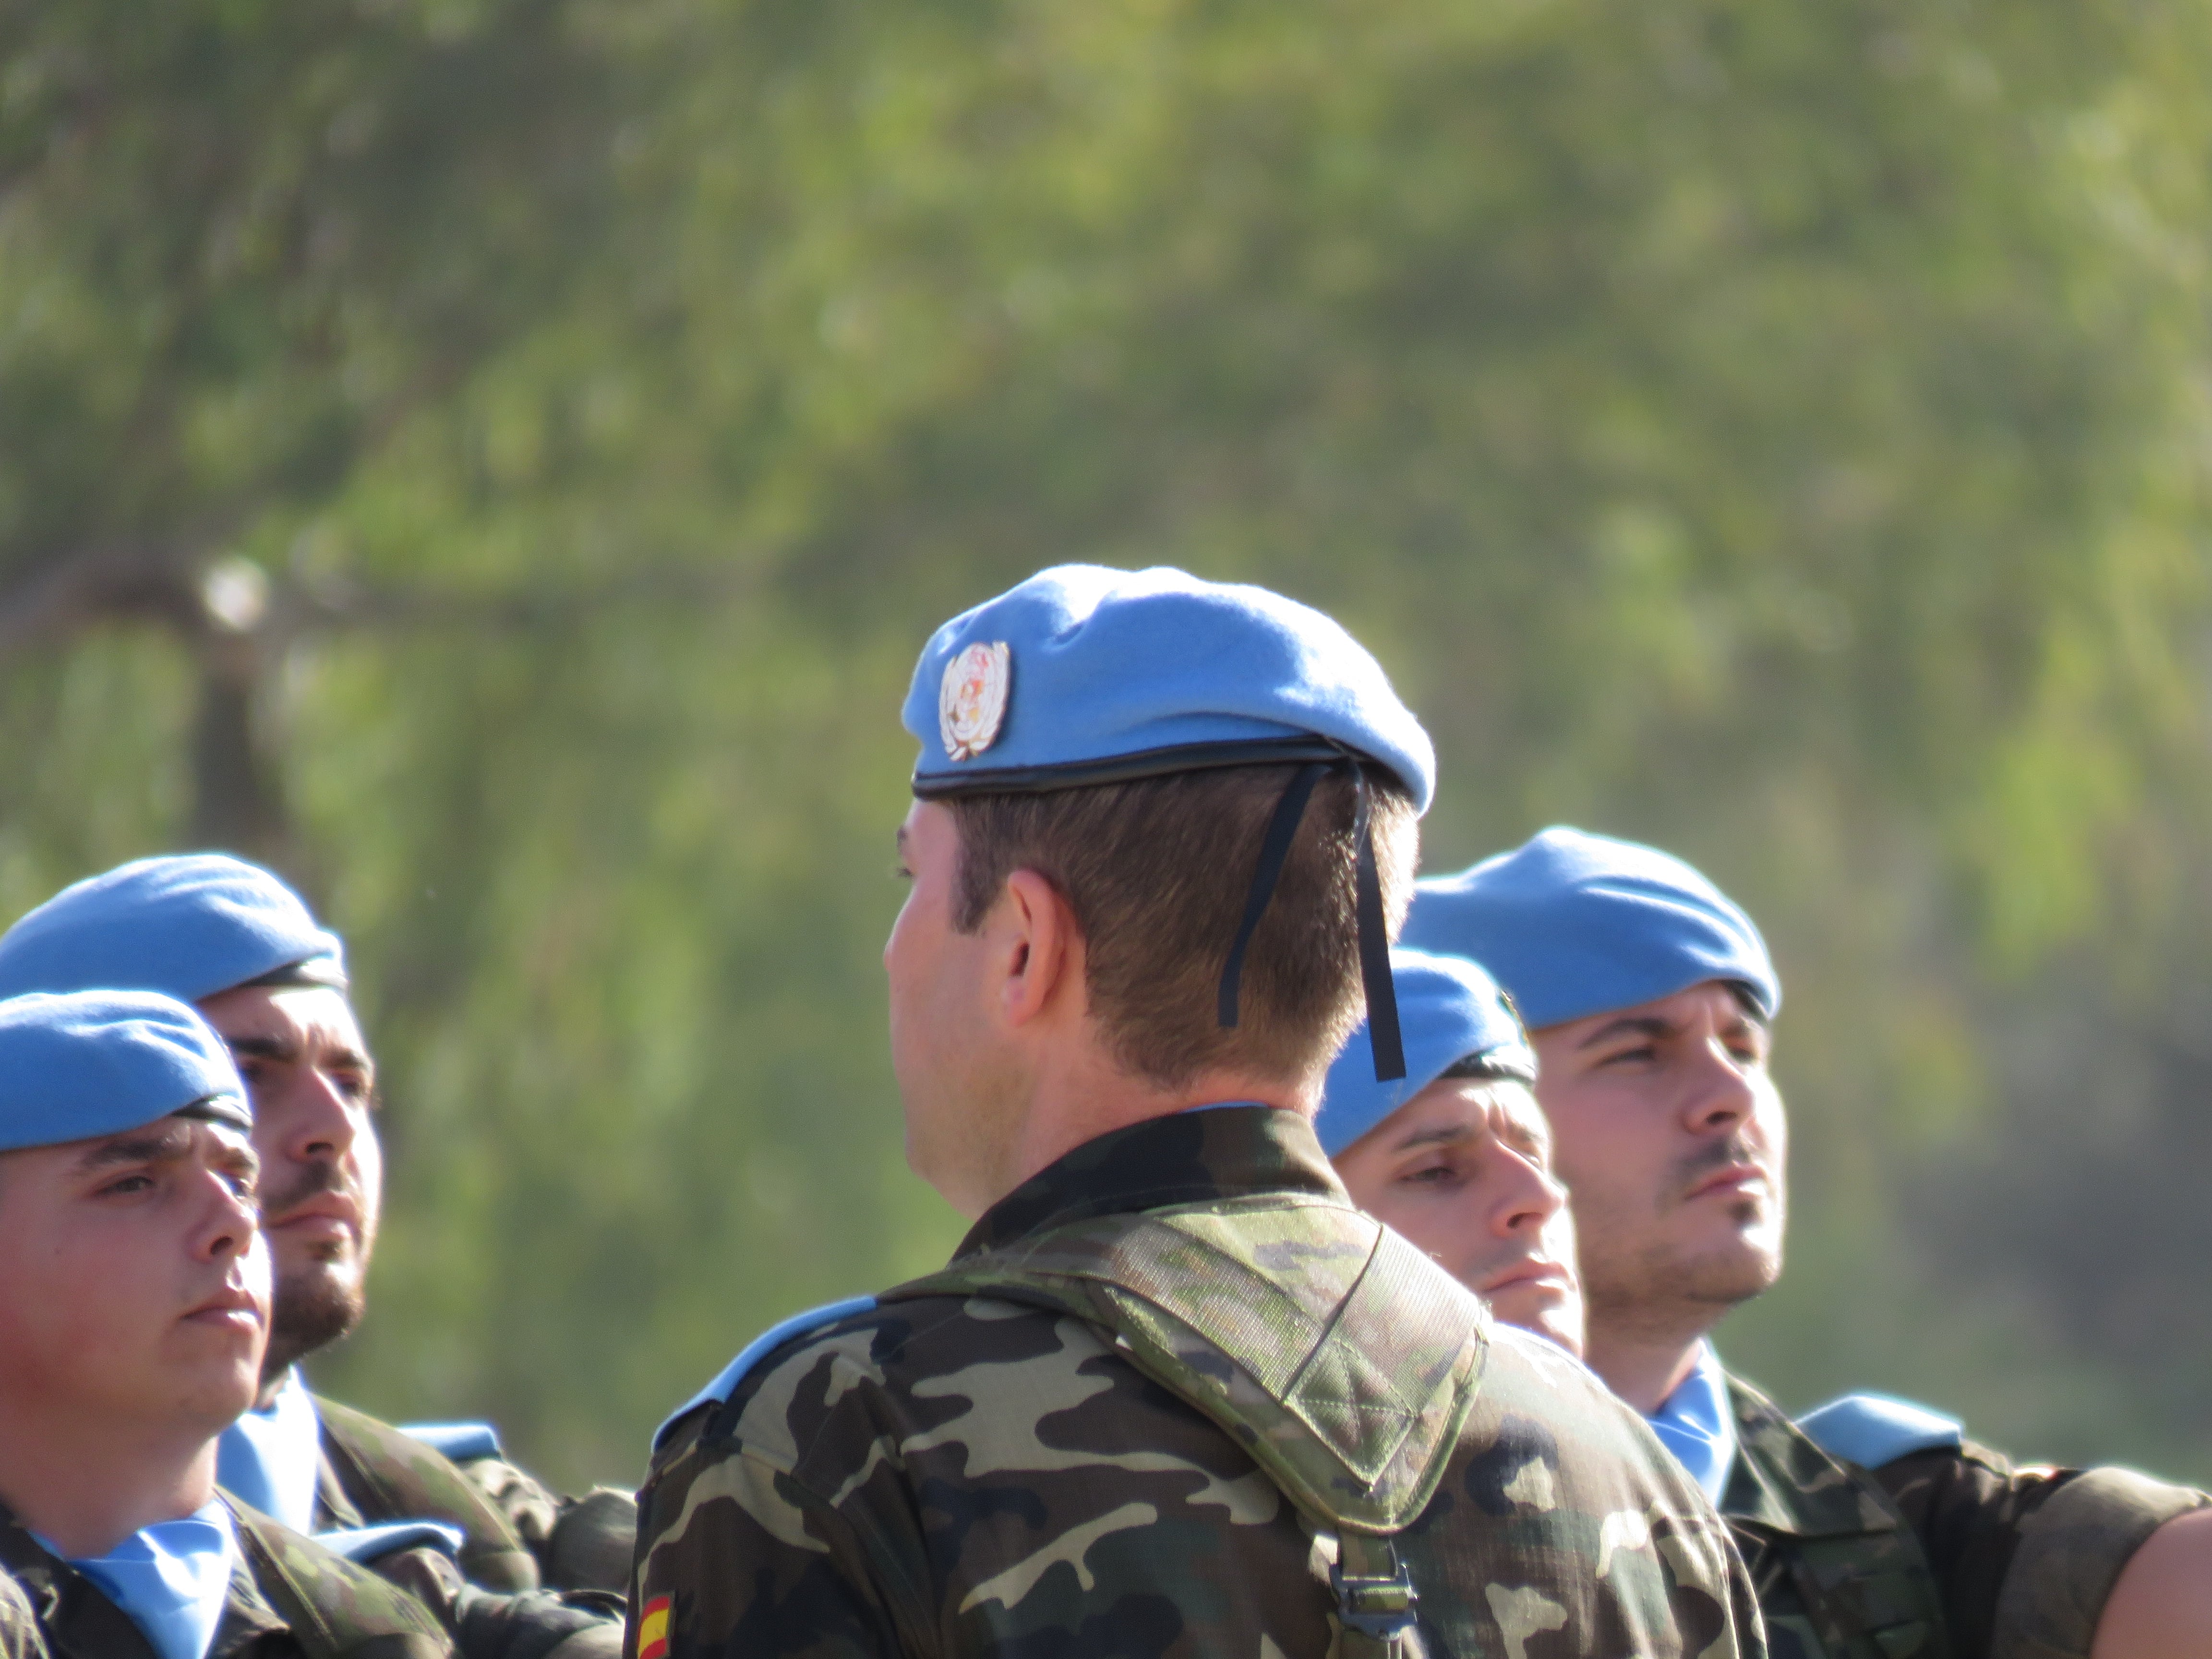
727,1381
336,1610
395,1477
1871,1429
1343,1359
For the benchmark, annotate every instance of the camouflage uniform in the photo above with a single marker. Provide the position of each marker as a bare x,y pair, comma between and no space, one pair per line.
1081,1436
1949,1553
292,1599
288,1600
517,1535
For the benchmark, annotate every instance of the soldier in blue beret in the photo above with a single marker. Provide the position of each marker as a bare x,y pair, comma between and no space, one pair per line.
1174,1392
1874,1529
235,941
134,1308
1456,1155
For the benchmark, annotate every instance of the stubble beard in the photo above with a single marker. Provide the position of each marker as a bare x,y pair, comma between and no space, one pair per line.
1656,1289
321,1304
312,1310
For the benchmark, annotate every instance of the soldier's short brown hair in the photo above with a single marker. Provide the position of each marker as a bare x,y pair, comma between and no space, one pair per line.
1157,872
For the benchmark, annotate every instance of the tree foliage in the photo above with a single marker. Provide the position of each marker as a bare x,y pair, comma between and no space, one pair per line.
500,457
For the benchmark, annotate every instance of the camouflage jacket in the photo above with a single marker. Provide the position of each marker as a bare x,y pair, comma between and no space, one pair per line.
373,1473
963,1470
1948,1553
289,1599
519,1533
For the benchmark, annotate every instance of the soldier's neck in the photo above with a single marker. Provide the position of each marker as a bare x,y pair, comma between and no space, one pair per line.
86,1487
1087,1096
1643,1364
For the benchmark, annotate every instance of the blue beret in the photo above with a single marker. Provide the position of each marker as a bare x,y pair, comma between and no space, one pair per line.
1574,924
1449,1011
1085,675
187,924
99,1062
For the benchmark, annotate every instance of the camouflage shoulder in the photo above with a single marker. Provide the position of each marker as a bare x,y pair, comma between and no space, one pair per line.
748,1400
392,1476
333,1607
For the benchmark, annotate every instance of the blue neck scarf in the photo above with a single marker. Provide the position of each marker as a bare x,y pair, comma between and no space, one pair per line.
1696,1424
270,1458
171,1579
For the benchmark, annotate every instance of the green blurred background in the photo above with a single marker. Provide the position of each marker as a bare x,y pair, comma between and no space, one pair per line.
497,460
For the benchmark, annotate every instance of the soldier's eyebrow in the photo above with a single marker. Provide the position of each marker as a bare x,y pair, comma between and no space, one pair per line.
150,1146
263,1048
1647,1026
1443,1135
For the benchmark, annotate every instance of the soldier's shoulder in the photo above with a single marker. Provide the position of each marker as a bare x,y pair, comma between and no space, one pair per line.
855,1368
313,1587
1541,1405
1530,1374
390,1475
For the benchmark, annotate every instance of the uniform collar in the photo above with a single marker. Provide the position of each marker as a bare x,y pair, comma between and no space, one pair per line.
171,1578
1696,1424
271,1458
1229,1148
1784,1485
65,1602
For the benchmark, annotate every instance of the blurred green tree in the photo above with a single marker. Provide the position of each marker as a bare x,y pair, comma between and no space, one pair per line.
500,459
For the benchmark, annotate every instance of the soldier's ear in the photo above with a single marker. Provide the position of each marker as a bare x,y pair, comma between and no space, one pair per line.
1034,954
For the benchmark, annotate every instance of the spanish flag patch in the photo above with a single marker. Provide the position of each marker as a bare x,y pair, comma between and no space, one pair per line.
653,1629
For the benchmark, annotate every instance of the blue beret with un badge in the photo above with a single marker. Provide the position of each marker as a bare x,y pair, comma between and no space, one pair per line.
187,924
1448,1011
99,1062
1573,924
1084,676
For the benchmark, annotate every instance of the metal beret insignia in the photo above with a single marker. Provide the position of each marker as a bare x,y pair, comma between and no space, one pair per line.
972,702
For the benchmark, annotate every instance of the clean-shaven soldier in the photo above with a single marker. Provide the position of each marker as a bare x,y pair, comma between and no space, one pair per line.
1175,1394
134,1302
1875,1530
1455,1154
233,939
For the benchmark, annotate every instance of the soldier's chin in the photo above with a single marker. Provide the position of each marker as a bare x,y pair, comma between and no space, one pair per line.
1544,1307
312,1310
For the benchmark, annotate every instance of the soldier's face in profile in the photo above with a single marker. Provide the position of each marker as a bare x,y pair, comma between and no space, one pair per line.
1463,1170
944,1050
1671,1139
134,1286
313,1088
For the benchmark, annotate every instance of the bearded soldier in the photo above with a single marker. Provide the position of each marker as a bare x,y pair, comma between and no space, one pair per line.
1174,1394
232,938
1874,1528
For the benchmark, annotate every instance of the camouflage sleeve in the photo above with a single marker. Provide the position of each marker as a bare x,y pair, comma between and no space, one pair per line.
2025,1557
581,1543
735,1556
496,1625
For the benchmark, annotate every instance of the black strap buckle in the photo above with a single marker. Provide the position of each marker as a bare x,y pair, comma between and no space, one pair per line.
1377,1607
